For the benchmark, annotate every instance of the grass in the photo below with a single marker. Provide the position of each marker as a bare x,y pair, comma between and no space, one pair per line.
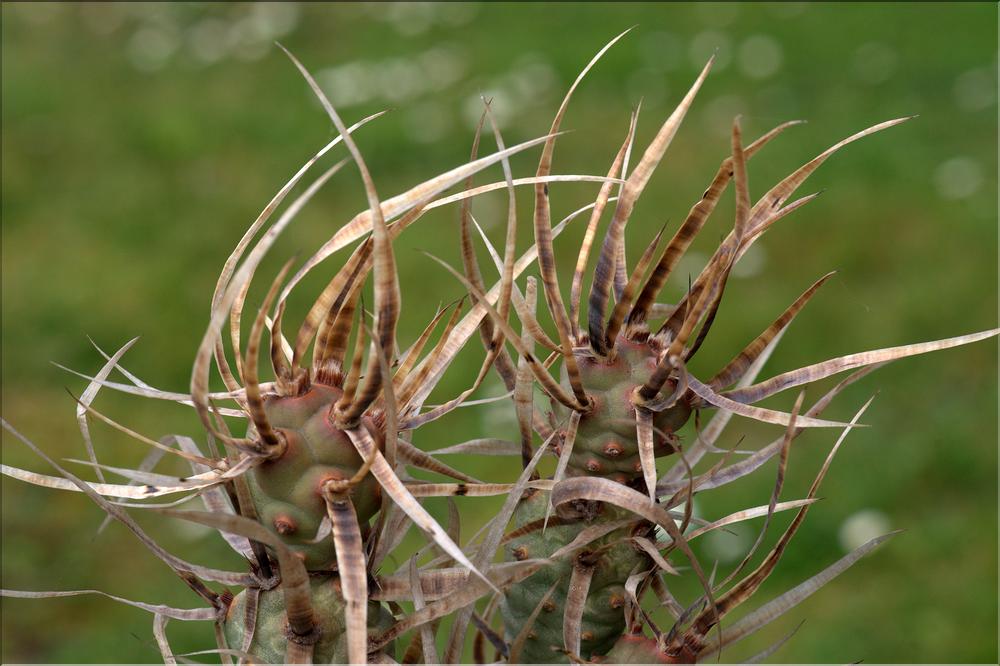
139,141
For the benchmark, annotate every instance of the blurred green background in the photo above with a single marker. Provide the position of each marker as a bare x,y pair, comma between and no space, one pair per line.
139,140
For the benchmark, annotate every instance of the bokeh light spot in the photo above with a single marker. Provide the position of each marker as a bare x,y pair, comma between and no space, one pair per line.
958,178
760,56
707,43
861,527
976,89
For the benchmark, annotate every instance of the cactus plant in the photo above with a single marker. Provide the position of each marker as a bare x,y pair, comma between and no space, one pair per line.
316,493
626,391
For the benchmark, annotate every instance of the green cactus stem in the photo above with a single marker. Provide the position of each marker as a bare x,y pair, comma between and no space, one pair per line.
612,559
270,633
287,490
605,443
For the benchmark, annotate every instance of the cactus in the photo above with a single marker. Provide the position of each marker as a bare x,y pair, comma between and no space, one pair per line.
268,638
626,392
286,491
316,494
608,560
